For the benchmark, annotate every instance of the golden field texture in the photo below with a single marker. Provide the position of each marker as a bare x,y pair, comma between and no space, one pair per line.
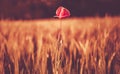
83,46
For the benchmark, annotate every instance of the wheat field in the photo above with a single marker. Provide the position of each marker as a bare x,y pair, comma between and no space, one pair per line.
89,45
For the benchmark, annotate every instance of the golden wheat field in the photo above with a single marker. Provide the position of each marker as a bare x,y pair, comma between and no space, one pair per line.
82,46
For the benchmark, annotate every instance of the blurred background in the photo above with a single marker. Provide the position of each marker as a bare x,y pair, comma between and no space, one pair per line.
38,9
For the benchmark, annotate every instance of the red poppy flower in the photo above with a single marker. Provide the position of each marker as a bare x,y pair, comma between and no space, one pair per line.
62,12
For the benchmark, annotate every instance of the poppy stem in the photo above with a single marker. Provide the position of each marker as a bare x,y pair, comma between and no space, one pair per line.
61,24
60,35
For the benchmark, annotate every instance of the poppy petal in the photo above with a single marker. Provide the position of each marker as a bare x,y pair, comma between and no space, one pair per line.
62,12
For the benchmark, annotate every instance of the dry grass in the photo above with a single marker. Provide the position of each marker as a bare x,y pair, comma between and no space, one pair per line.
90,46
